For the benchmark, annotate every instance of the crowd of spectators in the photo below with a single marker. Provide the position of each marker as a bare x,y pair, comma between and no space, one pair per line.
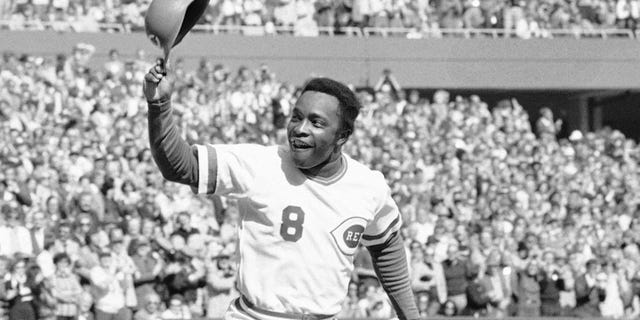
500,217
524,18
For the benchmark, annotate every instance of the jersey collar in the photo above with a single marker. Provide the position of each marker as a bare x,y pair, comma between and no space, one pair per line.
334,178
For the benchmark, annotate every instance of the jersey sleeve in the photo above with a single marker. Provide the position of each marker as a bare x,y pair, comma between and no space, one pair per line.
386,221
227,170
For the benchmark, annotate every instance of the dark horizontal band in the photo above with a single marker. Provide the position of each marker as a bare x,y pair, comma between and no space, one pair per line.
309,316
379,236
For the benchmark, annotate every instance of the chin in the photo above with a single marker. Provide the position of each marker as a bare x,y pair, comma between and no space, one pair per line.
301,163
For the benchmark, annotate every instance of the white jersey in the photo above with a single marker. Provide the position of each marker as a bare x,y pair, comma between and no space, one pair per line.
298,233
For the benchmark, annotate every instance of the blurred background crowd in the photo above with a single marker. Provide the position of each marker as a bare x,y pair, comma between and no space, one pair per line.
501,218
524,18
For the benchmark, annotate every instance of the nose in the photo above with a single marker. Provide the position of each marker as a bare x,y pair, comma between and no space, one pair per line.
301,128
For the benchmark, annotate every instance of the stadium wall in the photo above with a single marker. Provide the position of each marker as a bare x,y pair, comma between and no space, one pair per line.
559,64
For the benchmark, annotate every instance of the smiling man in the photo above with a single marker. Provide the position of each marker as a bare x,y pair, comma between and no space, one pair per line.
305,206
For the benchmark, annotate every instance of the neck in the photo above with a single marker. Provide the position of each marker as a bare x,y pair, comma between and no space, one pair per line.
328,168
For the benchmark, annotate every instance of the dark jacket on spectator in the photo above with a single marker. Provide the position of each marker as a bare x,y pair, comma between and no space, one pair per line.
588,298
550,295
457,273
145,283
527,294
477,300
179,283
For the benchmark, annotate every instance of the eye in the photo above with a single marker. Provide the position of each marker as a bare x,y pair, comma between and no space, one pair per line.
296,116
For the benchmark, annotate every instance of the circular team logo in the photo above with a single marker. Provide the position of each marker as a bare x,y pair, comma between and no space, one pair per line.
352,235
347,235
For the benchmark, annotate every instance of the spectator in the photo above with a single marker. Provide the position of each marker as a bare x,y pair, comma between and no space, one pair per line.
527,291
115,66
612,306
456,272
590,291
150,309
108,291
177,309
44,302
427,277
185,229
498,286
546,127
551,284
149,265
65,288
6,248
221,284
350,308
449,309
374,304
18,292
126,269
65,242
477,295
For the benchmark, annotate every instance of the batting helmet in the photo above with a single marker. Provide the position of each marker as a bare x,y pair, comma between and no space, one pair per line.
168,21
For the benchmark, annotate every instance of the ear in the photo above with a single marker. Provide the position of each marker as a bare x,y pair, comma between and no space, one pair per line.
343,136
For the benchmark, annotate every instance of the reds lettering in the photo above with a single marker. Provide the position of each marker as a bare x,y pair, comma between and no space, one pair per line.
352,235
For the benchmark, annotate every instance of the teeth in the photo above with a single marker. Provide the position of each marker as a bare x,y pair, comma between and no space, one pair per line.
299,144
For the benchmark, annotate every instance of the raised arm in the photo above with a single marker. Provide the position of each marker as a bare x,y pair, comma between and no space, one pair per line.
174,157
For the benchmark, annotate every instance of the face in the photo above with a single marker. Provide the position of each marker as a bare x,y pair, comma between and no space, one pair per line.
143,250
85,202
64,232
64,266
312,130
106,262
452,252
133,227
184,220
175,305
153,302
147,228
449,308
39,220
85,225
19,268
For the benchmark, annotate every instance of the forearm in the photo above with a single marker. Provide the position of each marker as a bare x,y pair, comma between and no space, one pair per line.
390,264
144,278
220,283
174,157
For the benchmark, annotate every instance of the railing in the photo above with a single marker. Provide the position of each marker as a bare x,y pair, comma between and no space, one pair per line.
462,318
612,33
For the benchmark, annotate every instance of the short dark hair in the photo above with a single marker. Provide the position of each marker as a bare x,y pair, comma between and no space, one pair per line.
348,104
591,262
61,256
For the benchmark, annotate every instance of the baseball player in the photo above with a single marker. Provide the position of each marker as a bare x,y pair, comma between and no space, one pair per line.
305,206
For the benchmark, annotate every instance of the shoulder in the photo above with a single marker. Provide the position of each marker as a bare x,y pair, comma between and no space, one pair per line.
246,149
249,156
361,171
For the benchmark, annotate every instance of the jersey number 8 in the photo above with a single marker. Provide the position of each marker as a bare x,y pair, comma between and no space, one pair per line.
292,220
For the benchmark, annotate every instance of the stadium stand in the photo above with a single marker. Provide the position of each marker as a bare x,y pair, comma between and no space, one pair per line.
501,218
408,18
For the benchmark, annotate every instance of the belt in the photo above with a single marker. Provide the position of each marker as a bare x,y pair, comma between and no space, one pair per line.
304,316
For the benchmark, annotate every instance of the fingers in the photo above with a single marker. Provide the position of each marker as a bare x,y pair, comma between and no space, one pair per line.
157,72
162,65
152,76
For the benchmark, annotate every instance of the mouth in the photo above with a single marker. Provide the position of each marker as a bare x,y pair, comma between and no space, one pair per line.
298,144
